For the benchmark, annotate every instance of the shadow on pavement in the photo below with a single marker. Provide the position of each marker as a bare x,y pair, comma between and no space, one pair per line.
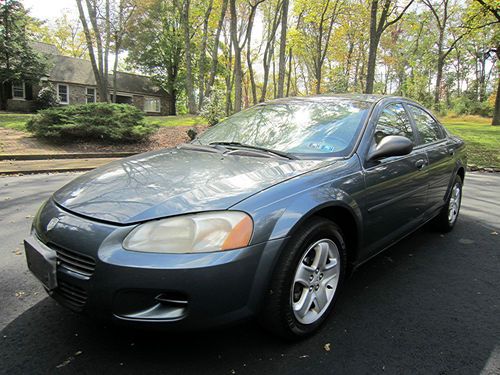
428,305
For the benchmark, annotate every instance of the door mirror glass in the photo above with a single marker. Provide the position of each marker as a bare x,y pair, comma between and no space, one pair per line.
391,145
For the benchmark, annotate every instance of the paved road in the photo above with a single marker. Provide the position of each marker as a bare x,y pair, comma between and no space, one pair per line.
429,305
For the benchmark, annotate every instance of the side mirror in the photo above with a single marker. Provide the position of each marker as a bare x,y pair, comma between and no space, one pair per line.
392,145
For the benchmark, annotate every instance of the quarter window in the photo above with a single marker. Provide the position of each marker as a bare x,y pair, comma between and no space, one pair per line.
18,90
428,128
63,92
90,95
151,105
394,121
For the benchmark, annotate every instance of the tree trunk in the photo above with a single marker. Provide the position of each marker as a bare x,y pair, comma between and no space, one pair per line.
3,96
95,61
372,52
187,54
496,113
439,71
249,60
115,68
215,52
238,72
203,56
172,103
289,77
318,77
282,53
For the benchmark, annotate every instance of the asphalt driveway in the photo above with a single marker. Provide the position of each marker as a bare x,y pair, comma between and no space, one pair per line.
429,305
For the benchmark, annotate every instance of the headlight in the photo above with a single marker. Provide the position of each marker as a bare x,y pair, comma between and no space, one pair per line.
199,233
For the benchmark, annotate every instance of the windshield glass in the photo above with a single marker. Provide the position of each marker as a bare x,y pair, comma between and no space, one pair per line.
324,128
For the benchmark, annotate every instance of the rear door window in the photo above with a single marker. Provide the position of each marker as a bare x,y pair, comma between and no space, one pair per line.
428,128
393,121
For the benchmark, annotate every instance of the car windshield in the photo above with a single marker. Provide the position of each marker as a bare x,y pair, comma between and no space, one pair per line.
309,128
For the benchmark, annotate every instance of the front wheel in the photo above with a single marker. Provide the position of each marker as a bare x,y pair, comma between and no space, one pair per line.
306,281
448,216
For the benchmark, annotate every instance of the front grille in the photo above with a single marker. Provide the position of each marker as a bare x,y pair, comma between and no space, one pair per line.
75,296
73,261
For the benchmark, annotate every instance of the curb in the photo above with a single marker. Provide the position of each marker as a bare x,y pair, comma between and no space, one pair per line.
53,170
90,155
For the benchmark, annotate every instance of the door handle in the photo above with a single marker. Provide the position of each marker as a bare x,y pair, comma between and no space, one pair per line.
420,164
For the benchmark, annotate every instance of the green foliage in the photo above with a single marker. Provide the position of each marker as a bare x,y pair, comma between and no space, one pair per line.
214,110
155,45
18,62
47,97
96,121
464,105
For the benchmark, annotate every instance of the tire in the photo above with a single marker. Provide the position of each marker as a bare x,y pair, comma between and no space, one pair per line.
309,274
448,216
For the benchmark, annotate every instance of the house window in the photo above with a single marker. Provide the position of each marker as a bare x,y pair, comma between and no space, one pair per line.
90,95
63,92
18,90
151,104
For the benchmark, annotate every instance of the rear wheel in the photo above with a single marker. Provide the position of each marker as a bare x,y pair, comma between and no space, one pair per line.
306,281
448,216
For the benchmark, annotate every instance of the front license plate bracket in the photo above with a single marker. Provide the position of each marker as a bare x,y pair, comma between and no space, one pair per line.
42,262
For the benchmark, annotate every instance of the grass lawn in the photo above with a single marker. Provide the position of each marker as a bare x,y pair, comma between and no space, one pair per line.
482,139
17,121
182,120
14,120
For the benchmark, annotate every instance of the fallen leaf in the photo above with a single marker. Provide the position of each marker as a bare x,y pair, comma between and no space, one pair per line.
327,347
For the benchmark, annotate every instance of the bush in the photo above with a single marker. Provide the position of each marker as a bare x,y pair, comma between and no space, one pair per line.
47,97
213,110
96,121
466,106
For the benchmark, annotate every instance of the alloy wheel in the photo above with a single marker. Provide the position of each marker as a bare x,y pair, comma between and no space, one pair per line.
315,281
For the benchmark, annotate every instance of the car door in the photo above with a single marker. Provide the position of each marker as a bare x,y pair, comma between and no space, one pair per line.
396,187
439,150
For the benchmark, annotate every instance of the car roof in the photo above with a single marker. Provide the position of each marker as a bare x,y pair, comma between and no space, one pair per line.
370,98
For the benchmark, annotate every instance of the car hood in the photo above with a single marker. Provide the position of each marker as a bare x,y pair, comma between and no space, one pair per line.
172,182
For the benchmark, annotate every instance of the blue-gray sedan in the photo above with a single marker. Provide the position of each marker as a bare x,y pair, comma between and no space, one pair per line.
262,215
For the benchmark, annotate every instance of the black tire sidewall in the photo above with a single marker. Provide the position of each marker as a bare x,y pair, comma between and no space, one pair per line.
316,230
445,222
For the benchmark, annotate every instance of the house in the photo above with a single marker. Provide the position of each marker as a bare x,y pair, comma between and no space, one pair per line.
75,84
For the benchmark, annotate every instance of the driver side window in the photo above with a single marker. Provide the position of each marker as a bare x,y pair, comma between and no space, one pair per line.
393,121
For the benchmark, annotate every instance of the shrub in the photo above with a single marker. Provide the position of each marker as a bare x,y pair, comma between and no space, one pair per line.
466,106
213,110
95,121
47,97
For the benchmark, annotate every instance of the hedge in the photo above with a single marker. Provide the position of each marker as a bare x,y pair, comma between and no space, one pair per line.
94,121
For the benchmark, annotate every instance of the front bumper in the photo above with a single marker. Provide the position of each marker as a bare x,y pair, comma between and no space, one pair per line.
96,276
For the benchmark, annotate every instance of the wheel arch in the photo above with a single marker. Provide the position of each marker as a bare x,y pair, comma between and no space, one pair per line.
342,215
461,173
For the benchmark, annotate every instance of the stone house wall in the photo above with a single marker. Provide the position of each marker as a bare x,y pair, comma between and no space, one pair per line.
78,95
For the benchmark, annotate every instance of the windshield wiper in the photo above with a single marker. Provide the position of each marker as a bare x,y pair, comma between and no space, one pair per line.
257,148
204,148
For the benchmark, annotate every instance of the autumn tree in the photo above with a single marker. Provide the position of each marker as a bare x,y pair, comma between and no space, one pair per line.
96,22
155,46
383,13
